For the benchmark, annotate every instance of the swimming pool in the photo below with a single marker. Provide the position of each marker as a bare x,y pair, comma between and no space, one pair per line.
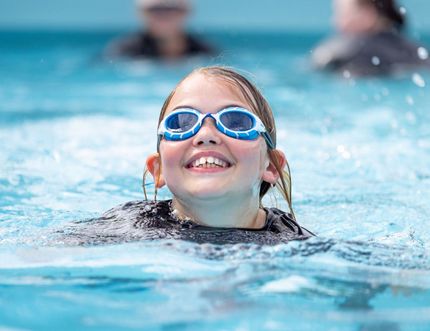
75,132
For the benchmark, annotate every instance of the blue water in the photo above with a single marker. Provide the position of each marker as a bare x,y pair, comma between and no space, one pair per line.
75,131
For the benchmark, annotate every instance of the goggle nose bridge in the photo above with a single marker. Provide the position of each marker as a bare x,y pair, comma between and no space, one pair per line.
202,119
206,116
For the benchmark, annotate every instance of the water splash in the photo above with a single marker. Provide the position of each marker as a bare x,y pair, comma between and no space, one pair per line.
418,80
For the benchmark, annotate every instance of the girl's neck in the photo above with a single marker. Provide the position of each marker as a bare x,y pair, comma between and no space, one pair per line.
222,212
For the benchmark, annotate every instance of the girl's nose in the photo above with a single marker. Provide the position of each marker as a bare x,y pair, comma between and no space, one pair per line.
208,134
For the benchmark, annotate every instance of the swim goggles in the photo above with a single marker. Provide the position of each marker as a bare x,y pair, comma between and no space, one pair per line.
235,122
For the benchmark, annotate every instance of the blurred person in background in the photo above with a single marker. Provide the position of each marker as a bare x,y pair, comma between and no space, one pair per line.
370,41
164,36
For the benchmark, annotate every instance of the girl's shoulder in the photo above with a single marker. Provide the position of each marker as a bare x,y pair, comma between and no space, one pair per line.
139,207
122,223
141,213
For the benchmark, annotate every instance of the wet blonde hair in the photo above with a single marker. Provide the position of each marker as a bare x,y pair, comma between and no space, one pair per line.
260,107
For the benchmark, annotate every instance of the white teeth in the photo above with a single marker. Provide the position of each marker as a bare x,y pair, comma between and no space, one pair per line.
209,162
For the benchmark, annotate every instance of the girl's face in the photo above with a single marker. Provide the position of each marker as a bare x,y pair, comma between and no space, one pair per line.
238,166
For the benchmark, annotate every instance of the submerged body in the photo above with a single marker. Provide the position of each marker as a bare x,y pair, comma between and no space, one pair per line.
383,53
369,41
143,45
147,220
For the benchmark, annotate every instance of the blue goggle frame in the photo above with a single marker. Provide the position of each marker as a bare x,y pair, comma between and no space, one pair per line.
252,133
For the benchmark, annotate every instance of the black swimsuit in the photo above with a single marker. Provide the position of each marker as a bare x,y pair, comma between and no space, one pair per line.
381,53
148,220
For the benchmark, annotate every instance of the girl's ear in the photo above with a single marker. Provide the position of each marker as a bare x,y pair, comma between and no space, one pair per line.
271,174
153,164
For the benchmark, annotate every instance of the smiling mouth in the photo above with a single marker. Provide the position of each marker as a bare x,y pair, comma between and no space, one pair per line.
208,162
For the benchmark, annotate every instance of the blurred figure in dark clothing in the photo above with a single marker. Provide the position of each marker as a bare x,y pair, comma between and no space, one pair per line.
164,36
370,41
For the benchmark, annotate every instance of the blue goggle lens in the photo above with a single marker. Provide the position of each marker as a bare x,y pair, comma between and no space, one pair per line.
237,121
181,122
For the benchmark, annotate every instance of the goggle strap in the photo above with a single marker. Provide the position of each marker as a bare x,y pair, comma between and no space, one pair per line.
268,139
159,136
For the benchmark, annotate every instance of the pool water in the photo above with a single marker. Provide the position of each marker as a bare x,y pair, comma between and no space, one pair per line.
75,131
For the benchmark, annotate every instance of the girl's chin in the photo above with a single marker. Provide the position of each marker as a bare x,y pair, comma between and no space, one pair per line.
209,193
206,191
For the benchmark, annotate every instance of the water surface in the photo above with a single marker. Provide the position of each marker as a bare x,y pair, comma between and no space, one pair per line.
75,133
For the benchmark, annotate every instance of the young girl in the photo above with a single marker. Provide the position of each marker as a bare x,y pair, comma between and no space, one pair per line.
217,155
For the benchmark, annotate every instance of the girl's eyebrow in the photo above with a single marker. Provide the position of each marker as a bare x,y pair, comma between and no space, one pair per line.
233,105
221,108
184,106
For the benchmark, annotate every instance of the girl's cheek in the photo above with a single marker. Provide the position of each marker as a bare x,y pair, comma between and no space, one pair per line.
252,152
171,153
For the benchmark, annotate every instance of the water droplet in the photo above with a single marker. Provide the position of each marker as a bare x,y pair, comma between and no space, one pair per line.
410,100
418,80
423,54
346,74
410,117
402,10
340,148
376,61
